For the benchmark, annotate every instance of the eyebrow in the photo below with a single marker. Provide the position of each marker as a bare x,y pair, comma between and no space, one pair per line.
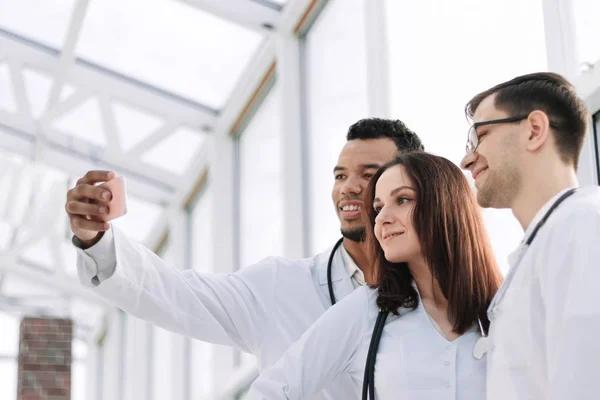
363,166
395,192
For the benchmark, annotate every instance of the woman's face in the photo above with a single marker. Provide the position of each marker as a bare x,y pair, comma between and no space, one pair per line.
394,203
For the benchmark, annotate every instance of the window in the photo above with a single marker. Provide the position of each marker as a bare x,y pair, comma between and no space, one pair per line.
261,192
201,245
162,385
448,63
587,30
336,87
596,140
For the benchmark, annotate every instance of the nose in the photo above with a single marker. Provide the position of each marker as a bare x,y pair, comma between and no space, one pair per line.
468,160
352,186
384,217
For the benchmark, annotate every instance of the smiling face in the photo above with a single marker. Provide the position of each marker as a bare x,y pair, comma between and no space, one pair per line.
357,163
494,165
394,204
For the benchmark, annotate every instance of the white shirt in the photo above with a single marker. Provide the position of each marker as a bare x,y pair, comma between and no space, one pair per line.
355,273
414,362
261,309
545,330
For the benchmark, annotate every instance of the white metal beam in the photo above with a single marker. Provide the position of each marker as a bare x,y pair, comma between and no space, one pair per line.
94,79
588,86
561,50
67,56
292,145
250,14
376,44
73,156
561,46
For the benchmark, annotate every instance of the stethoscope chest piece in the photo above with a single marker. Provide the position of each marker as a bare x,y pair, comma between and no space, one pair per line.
480,348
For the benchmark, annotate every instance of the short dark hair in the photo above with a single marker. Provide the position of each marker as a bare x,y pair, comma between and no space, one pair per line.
453,240
380,128
547,92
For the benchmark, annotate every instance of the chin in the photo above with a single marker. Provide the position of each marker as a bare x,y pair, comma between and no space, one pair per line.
394,257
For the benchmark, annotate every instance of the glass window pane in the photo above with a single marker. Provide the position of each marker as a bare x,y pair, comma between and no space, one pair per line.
337,97
429,92
45,21
78,378
162,380
260,183
8,101
140,218
8,379
176,151
170,45
201,239
162,353
201,244
587,30
83,122
9,344
133,125
597,142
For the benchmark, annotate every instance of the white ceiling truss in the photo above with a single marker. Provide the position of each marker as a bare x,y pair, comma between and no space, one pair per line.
33,141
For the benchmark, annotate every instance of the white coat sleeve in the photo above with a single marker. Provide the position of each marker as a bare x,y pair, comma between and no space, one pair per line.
569,276
226,309
325,351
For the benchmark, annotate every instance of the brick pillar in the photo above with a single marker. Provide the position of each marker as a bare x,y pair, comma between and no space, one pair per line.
45,359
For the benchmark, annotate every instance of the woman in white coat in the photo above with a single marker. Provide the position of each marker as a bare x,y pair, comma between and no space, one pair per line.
436,277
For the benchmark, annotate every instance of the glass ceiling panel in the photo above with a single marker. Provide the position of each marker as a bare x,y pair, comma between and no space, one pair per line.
140,218
83,122
133,125
5,235
37,86
44,21
170,45
175,152
9,342
8,102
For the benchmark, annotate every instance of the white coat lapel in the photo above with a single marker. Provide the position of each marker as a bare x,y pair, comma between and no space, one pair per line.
342,284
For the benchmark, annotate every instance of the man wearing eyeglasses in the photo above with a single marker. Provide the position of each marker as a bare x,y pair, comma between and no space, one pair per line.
523,150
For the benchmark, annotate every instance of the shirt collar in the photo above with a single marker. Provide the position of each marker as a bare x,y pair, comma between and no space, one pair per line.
353,270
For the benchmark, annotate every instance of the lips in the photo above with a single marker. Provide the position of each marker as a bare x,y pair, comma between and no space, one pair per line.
477,172
350,209
391,235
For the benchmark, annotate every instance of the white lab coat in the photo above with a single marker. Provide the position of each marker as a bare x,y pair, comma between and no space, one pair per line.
261,309
545,332
414,361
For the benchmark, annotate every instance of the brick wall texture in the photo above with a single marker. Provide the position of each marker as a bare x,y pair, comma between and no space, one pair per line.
45,359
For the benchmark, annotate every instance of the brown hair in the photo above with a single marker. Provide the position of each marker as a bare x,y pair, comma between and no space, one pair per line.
547,92
453,240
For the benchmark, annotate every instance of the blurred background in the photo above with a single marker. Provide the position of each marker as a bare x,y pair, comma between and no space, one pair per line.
226,118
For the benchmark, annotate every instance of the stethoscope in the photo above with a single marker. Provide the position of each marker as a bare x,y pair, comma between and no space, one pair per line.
329,264
481,345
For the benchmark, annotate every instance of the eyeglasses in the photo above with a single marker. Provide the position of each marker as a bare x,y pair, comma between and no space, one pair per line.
473,139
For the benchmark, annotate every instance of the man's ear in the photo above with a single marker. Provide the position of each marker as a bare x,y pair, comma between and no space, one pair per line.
539,129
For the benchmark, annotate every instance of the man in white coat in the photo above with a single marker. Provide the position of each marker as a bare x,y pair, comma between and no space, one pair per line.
261,309
523,151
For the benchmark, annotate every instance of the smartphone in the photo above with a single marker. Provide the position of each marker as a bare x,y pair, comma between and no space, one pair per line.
117,207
